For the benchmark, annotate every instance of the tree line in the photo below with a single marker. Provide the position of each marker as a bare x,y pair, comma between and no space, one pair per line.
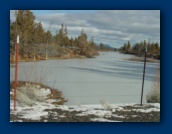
153,49
30,32
34,36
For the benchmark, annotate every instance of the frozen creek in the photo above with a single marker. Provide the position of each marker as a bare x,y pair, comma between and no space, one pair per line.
87,81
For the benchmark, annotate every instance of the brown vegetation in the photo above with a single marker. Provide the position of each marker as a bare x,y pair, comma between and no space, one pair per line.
154,94
55,94
59,115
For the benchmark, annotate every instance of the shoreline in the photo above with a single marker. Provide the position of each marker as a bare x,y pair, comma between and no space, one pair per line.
57,58
141,59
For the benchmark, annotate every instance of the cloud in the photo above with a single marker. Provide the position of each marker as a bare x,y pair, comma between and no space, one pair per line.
12,15
113,27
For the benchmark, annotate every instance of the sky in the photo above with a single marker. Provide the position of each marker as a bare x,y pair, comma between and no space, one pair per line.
112,27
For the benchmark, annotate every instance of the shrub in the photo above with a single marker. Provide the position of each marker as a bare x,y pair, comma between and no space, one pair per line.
154,95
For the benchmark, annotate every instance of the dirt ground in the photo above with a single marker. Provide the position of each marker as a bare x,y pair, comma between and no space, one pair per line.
58,115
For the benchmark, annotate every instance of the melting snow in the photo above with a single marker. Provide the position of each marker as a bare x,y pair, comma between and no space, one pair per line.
45,92
103,120
35,112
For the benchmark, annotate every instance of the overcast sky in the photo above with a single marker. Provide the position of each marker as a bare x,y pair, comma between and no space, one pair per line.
113,27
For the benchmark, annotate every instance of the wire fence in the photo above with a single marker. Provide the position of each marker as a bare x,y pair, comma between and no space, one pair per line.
36,72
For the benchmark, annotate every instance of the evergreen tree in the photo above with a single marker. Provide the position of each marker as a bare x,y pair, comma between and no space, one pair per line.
62,36
13,36
65,31
82,39
39,34
48,37
125,47
92,43
25,26
128,46
101,46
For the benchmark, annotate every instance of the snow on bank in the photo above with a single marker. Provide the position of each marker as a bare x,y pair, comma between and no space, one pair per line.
44,110
30,93
31,112
103,120
37,111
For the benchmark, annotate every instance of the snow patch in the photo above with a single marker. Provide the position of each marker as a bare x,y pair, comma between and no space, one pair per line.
61,116
117,116
45,92
103,120
146,110
11,93
36,111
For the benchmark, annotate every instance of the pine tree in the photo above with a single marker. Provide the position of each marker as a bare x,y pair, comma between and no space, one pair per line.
13,36
62,36
82,39
92,43
39,34
101,46
128,46
125,47
25,29
65,31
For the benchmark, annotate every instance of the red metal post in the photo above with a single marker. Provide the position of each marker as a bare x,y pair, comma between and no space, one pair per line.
16,73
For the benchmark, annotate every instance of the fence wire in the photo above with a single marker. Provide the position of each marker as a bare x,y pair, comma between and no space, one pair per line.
34,68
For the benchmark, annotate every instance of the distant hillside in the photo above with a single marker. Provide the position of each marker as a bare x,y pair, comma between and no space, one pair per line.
108,46
102,46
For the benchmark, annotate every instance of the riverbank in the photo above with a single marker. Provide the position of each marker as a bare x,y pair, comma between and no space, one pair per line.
45,112
80,91
63,53
39,103
141,59
28,93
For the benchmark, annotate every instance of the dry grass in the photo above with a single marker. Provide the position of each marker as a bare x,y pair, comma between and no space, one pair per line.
28,93
154,94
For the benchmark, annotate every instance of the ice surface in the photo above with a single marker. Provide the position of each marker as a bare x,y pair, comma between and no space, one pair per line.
87,81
